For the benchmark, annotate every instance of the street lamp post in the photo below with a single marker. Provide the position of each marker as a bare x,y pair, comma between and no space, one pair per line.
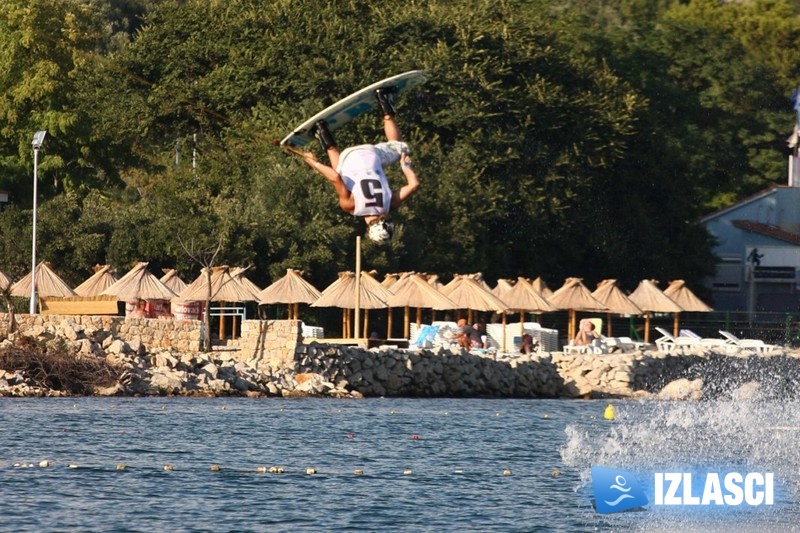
38,139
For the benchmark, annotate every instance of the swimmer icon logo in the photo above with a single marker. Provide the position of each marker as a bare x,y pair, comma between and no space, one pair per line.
616,490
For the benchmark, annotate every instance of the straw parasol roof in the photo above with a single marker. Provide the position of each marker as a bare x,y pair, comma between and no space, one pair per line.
610,295
238,274
416,292
679,293
650,299
5,281
523,297
503,286
390,279
341,293
224,288
684,297
172,280
433,281
467,293
139,284
541,288
413,290
48,284
574,296
102,279
291,289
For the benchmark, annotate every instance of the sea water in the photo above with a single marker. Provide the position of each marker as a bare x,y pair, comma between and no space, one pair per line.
381,464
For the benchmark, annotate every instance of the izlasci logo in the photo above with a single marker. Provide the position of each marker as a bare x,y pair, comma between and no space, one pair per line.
616,490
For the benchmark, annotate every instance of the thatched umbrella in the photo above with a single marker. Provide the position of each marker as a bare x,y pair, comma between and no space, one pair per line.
610,295
102,279
541,288
48,284
172,280
238,275
433,281
649,298
391,279
292,290
224,288
574,296
503,286
415,291
5,281
684,297
468,293
138,285
523,297
342,293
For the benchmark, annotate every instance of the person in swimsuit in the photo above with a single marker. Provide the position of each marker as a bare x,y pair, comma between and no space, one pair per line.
358,177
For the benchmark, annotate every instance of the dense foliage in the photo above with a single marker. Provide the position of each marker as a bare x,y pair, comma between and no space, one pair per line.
554,138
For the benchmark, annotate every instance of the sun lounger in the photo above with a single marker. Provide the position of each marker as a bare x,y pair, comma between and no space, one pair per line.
671,344
707,342
748,344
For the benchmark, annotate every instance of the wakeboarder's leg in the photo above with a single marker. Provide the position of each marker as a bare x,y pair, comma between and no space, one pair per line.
384,97
328,143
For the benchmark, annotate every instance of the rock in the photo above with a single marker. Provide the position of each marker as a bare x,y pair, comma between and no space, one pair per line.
212,370
166,359
113,390
682,389
748,391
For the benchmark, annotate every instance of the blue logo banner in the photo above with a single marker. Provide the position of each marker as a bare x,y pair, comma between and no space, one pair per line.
616,490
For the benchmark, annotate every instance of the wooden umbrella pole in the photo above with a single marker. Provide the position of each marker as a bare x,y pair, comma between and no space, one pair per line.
647,326
358,284
571,326
675,326
364,331
419,316
504,332
406,322
222,321
233,326
388,322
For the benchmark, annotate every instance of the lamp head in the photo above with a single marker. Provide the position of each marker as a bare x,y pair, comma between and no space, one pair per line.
38,139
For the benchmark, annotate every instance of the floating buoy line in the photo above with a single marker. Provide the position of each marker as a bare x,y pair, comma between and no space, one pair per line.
275,469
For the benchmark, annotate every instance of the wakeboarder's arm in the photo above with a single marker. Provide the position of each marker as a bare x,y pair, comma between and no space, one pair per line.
346,201
412,182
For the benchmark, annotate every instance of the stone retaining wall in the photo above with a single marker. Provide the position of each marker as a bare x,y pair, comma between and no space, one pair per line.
153,334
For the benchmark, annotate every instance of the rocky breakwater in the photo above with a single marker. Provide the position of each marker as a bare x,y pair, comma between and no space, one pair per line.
698,374
427,373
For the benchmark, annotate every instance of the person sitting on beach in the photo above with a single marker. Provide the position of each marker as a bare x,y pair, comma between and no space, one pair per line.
586,335
466,333
528,344
476,338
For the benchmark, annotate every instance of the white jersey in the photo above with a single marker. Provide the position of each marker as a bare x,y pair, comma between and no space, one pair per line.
361,168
